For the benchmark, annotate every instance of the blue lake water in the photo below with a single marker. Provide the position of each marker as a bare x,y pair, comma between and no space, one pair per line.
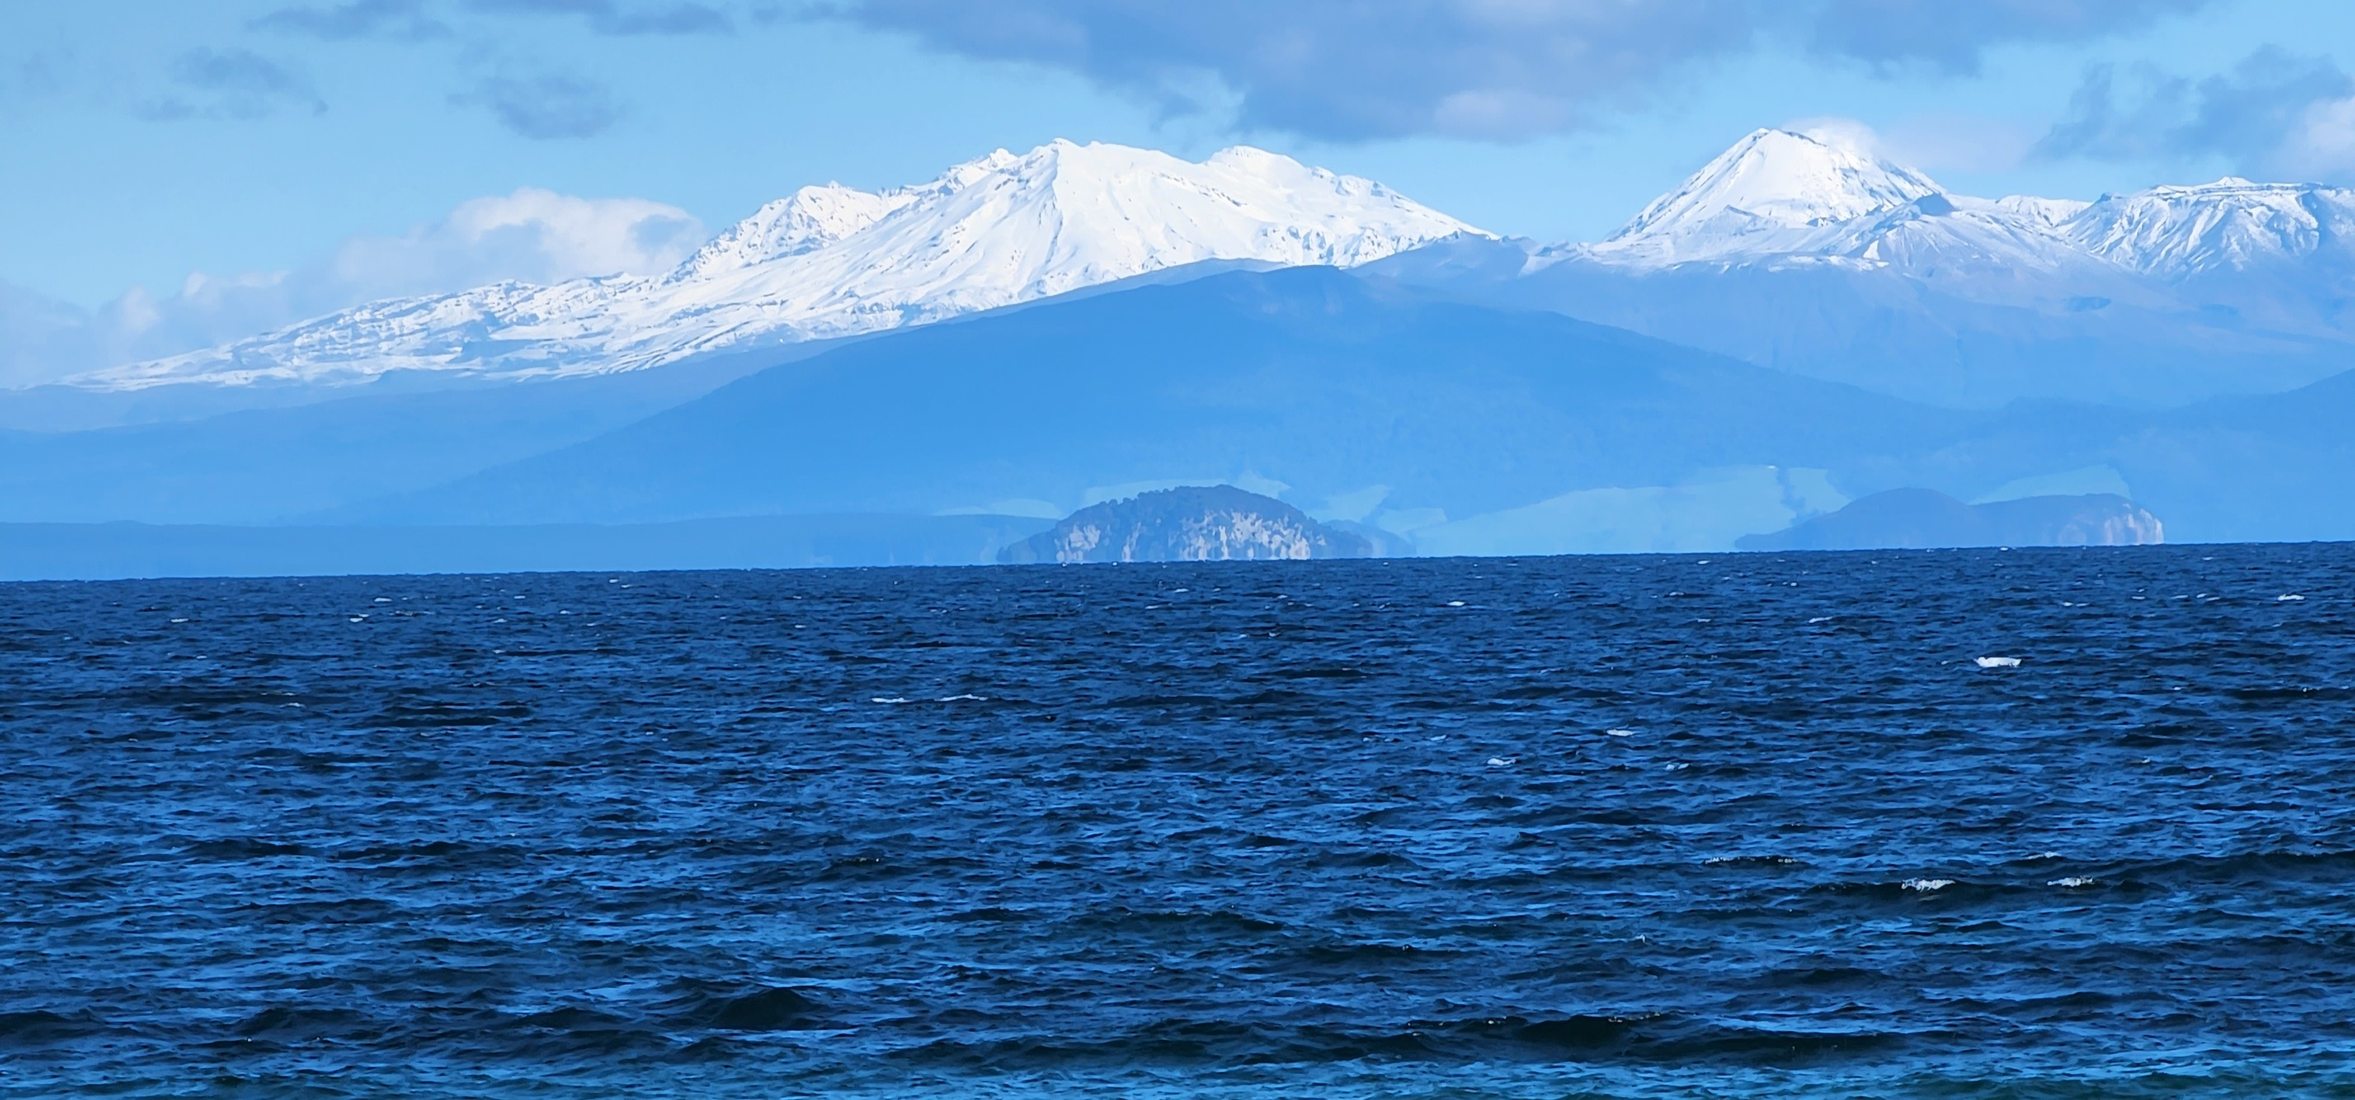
1725,825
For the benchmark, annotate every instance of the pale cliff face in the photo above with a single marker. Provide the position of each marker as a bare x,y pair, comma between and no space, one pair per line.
2128,527
1196,523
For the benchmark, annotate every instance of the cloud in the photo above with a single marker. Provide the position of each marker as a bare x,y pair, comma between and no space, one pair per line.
534,235
2272,112
1496,69
40,338
1932,143
231,83
531,235
545,107
398,20
617,18
1953,37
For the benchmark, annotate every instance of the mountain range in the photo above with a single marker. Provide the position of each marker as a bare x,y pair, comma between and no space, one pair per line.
831,261
1788,250
1803,254
1799,325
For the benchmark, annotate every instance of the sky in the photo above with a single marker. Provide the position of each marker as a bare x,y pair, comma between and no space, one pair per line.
179,173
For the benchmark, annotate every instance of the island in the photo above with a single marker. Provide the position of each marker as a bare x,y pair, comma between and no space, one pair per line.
1188,523
1927,519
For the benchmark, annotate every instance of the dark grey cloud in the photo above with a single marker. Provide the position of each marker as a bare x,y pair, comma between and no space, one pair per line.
1356,70
397,20
617,17
231,83
1953,35
2252,114
545,107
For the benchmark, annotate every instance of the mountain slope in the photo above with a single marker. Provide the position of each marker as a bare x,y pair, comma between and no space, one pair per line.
833,261
2229,225
1770,193
1307,378
2261,254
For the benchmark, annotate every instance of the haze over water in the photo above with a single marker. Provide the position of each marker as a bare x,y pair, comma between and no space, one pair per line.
1521,827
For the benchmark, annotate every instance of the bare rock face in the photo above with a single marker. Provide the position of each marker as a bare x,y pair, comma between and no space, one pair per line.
1192,523
1923,519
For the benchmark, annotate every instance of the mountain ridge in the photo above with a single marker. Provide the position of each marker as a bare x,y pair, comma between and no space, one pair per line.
1774,251
832,261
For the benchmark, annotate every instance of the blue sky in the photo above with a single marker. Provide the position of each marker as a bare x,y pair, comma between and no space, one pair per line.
323,143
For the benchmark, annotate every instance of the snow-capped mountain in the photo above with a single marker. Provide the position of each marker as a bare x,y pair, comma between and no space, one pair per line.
1811,255
1781,198
1797,251
834,261
2229,225
1773,192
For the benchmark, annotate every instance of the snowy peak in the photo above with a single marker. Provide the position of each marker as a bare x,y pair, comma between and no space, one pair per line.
1007,228
2229,225
810,218
1773,185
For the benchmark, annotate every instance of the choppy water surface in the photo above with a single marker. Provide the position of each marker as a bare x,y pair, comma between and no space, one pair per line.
1744,824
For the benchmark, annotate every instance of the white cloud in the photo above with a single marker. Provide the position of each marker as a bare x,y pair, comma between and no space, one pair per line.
1840,133
532,235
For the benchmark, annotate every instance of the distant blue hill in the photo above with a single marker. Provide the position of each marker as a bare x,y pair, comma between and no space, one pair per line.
2252,469
1926,519
1412,417
1309,378
107,551
1894,332
322,448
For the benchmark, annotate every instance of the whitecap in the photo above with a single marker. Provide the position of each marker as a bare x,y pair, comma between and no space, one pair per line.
1503,761
1618,733
179,620
887,699
359,618
1819,619
1927,885
2072,882
2290,597
964,698
1997,662
1455,603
